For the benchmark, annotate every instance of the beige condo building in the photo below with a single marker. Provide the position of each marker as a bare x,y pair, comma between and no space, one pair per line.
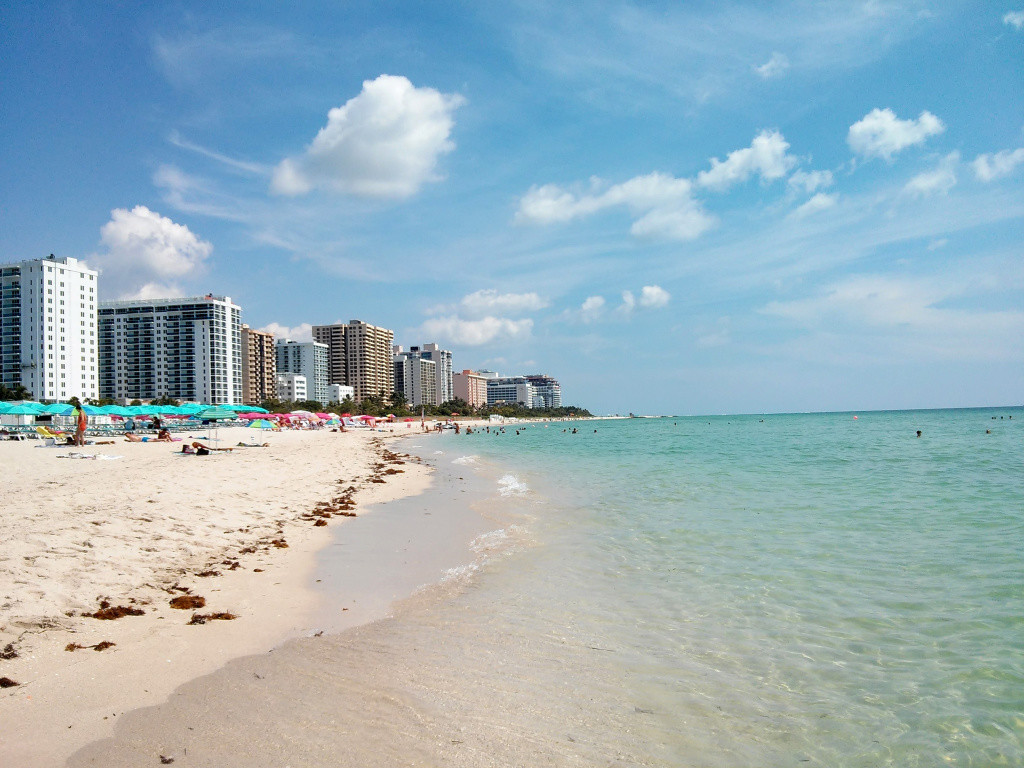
359,355
259,366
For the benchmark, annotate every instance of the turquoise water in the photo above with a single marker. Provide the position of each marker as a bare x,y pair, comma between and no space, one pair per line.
769,590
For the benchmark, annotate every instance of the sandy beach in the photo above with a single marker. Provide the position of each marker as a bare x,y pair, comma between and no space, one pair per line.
130,528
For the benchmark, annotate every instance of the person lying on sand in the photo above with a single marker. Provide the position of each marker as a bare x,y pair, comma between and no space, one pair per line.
131,437
204,450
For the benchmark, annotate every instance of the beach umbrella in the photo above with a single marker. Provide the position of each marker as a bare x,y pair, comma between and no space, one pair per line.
25,408
261,424
57,409
214,414
117,410
323,415
241,408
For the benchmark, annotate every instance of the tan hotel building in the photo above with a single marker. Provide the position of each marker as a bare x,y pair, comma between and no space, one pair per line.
359,355
259,366
471,387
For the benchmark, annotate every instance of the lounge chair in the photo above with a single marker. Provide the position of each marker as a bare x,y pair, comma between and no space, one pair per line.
47,432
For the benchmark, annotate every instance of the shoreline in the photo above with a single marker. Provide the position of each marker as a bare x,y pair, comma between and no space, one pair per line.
143,526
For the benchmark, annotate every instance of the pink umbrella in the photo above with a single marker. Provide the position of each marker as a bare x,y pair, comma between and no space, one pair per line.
323,415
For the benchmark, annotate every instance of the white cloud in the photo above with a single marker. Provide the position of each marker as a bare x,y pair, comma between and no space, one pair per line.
765,156
881,134
654,296
662,202
819,202
937,181
1014,19
146,252
991,167
590,311
774,67
385,142
810,181
592,308
301,332
473,333
651,297
489,301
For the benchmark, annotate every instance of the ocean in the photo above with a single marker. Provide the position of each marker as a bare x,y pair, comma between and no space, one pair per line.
823,589
777,590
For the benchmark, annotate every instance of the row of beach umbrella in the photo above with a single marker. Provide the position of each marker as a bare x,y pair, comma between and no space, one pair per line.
187,410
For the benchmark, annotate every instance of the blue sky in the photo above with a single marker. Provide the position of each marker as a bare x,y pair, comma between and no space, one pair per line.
686,207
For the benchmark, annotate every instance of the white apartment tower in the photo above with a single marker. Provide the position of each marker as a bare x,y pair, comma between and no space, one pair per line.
188,348
442,358
48,328
415,377
309,359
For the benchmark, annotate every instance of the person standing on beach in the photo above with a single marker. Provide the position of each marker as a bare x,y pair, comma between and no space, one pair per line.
81,422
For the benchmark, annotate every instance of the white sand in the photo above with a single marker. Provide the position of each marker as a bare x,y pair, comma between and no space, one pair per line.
126,530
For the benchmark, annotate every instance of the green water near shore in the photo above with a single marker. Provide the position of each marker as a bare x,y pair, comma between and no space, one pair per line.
772,589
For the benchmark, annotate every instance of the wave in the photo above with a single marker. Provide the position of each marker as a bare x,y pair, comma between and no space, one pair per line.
510,485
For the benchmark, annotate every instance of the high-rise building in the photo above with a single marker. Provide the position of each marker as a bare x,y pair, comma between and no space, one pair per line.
471,387
547,390
259,366
309,359
48,328
442,371
415,376
362,352
511,390
337,361
186,348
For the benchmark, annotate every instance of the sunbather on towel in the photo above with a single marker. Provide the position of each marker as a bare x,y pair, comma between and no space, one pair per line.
204,450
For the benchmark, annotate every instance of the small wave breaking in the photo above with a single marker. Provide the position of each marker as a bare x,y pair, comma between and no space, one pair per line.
510,485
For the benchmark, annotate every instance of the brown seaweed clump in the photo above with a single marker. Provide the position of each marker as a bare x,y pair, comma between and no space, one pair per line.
107,612
6,682
102,646
202,618
8,652
188,602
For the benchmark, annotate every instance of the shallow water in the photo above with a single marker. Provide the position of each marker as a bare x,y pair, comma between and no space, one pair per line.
745,590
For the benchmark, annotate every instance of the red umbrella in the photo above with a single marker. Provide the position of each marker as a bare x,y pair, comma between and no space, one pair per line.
347,415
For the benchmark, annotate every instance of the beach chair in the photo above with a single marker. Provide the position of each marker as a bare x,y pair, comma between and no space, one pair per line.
47,432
